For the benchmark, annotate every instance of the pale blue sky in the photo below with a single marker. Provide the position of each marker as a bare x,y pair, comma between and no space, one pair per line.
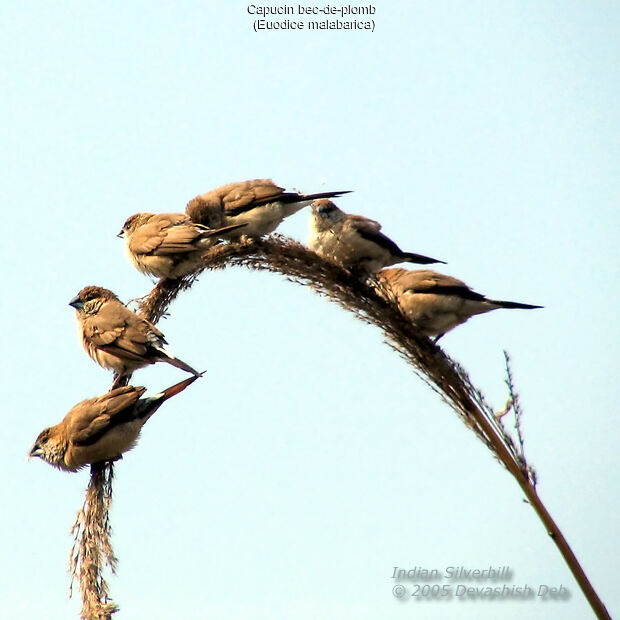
310,460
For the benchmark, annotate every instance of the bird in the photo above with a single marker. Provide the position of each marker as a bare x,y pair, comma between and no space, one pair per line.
117,338
168,245
437,303
353,241
101,428
259,203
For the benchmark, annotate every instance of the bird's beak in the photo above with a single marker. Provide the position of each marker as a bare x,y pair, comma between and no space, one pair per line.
36,451
121,234
76,303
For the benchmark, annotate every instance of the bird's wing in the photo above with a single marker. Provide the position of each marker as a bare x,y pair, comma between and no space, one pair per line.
164,240
240,197
431,282
363,224
92,418
165,233
139,336
104,328
232,199
119,331
370,231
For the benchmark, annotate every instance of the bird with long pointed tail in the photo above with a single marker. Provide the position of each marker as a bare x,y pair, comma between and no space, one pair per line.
102,428
168,245
117,338
355,242
259,203
437,303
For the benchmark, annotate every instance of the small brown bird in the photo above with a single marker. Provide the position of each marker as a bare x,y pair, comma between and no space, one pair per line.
354,241
437,303
101,428
259,203
168,245
117,338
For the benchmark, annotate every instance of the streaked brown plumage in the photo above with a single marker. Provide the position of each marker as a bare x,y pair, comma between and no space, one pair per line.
101,428
258,203
354,241
437,303
168,245
117,338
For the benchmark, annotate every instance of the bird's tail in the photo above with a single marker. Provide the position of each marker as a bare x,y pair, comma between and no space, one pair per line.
217,232
319,195
175,389
177,363
512,304
410,257
292,201
146,407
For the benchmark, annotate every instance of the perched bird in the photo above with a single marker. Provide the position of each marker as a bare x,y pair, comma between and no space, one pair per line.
101,428
117,338
353,241
168,245
437,303
259,203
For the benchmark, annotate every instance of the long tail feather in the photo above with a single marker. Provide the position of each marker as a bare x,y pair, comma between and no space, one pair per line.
216,232
410,257
175,389
513,304
146,407
177,363
323,195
